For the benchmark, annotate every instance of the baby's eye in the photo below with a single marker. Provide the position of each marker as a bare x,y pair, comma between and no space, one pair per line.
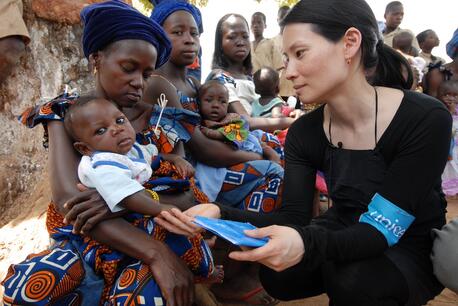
101,131
121,120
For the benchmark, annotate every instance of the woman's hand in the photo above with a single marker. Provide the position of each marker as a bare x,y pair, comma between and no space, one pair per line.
284,249
86,210
172,276
181,223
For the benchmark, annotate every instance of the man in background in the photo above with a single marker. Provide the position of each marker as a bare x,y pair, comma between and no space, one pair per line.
13,36
394,13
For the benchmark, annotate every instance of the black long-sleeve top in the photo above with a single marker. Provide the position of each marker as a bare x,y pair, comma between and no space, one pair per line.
415,146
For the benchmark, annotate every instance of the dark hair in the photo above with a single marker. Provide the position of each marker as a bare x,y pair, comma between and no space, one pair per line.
400,40
332,18
266,81
421,37
391,6
426,82
79,104
260,15
219,59
207,85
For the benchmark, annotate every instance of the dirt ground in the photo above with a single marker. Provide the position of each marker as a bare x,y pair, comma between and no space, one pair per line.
24,232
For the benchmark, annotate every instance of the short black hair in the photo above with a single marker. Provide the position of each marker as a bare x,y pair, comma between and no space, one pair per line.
421,37
266,81
260,15
79,104
392,5
208,84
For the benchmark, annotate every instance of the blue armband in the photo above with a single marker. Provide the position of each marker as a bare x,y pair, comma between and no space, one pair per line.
387,218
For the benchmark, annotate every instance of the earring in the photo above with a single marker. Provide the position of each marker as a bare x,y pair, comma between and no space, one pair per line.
348,60
94,71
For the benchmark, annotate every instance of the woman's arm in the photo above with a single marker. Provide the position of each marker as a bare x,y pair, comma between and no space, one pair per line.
63,165
170,272
215,153
258,123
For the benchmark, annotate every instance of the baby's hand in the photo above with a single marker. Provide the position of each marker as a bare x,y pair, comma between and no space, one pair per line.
184,168
296,113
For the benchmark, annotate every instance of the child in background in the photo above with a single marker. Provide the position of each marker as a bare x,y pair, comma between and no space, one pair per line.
434,77
269,104
448,94
218,124
403,43
232,129
117,166
428,40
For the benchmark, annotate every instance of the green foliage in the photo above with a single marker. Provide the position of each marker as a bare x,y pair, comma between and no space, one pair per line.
144,6
289,3
200,3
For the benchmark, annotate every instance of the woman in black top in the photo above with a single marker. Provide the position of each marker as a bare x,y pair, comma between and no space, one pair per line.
382,151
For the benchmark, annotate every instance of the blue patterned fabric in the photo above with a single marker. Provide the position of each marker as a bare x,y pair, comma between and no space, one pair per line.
452,46
163,9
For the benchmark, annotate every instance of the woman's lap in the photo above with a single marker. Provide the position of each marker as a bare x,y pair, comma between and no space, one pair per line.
81,270
373,281
254,185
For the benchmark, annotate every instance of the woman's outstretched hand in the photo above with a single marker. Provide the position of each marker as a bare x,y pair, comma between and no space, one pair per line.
284,249
85,210
181,223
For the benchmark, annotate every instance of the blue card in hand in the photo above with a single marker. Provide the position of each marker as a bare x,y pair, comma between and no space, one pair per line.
232,231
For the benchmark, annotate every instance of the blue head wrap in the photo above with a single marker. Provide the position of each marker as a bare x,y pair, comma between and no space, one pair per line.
111,21
163,9
452,46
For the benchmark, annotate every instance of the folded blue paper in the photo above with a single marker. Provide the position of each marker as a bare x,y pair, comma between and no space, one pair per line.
232,231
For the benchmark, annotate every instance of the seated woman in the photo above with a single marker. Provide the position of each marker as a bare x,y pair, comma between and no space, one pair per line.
249,182
368,140
125,48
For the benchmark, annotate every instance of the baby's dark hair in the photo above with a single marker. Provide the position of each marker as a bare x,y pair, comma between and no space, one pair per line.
266,81
403,41
203,88
79,104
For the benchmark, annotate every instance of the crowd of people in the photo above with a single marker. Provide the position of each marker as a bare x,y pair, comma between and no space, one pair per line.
131,164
